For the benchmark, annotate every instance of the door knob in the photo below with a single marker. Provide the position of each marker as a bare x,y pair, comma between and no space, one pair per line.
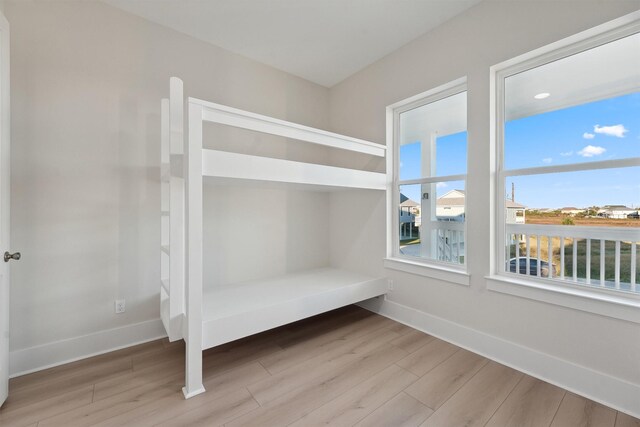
8,256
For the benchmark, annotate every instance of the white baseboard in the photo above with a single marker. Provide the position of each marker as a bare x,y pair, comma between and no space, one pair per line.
611,391
48,355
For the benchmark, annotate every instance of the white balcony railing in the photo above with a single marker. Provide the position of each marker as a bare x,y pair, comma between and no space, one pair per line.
449,237
598,256
445,242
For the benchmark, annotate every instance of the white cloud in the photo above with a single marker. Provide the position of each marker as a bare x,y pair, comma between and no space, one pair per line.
588,135
617,130
441,185
547,160
567,153
591,151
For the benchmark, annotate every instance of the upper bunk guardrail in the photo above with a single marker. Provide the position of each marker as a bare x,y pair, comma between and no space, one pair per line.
230,116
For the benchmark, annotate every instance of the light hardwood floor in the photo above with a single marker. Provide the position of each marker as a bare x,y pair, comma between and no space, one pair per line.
348,367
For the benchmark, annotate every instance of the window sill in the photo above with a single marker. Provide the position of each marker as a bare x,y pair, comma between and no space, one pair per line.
452,275
591,301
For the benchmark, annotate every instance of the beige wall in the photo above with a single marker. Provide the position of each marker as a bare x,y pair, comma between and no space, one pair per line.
86,86
468,45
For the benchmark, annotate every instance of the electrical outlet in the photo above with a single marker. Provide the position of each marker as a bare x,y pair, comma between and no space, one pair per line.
390,282
120,306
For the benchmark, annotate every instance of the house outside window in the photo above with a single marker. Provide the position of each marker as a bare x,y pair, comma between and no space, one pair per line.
567,133
427,167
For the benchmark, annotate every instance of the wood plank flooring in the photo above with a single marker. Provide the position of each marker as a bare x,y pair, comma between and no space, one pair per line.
348,367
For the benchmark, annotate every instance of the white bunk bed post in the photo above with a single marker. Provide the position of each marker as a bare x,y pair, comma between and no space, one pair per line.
193,336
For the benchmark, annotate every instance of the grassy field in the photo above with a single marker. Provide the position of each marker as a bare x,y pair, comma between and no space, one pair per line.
553,219
625,257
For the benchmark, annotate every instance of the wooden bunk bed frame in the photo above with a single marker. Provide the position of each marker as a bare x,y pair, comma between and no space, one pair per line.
230,312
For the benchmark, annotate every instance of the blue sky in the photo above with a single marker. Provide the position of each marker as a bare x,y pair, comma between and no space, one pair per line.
602,130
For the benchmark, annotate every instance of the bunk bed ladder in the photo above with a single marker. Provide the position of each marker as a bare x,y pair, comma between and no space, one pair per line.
172,250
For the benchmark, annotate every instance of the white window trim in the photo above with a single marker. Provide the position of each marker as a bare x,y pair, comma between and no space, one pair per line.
418,266
434,271
586,298
578,297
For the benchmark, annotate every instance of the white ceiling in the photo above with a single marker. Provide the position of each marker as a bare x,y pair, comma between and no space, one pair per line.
443,117
609,70
603,72
324,41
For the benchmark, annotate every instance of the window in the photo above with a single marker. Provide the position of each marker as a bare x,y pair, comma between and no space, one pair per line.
428,166
568,165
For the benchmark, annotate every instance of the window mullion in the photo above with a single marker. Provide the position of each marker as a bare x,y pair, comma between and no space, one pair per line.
573,167
433,179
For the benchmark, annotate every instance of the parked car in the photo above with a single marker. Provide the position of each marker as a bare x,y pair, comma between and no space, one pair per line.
635,215
533,267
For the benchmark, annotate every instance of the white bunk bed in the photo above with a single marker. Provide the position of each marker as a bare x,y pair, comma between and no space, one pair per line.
207,318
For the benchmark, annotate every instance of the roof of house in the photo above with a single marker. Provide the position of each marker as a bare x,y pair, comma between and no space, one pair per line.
409,203
571,208
513,205
448,200
451,194
617,207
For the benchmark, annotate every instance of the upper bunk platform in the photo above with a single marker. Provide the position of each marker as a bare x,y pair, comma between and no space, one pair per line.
238,310
229,167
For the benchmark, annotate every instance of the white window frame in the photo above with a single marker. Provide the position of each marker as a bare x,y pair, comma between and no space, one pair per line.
591,299
420,266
